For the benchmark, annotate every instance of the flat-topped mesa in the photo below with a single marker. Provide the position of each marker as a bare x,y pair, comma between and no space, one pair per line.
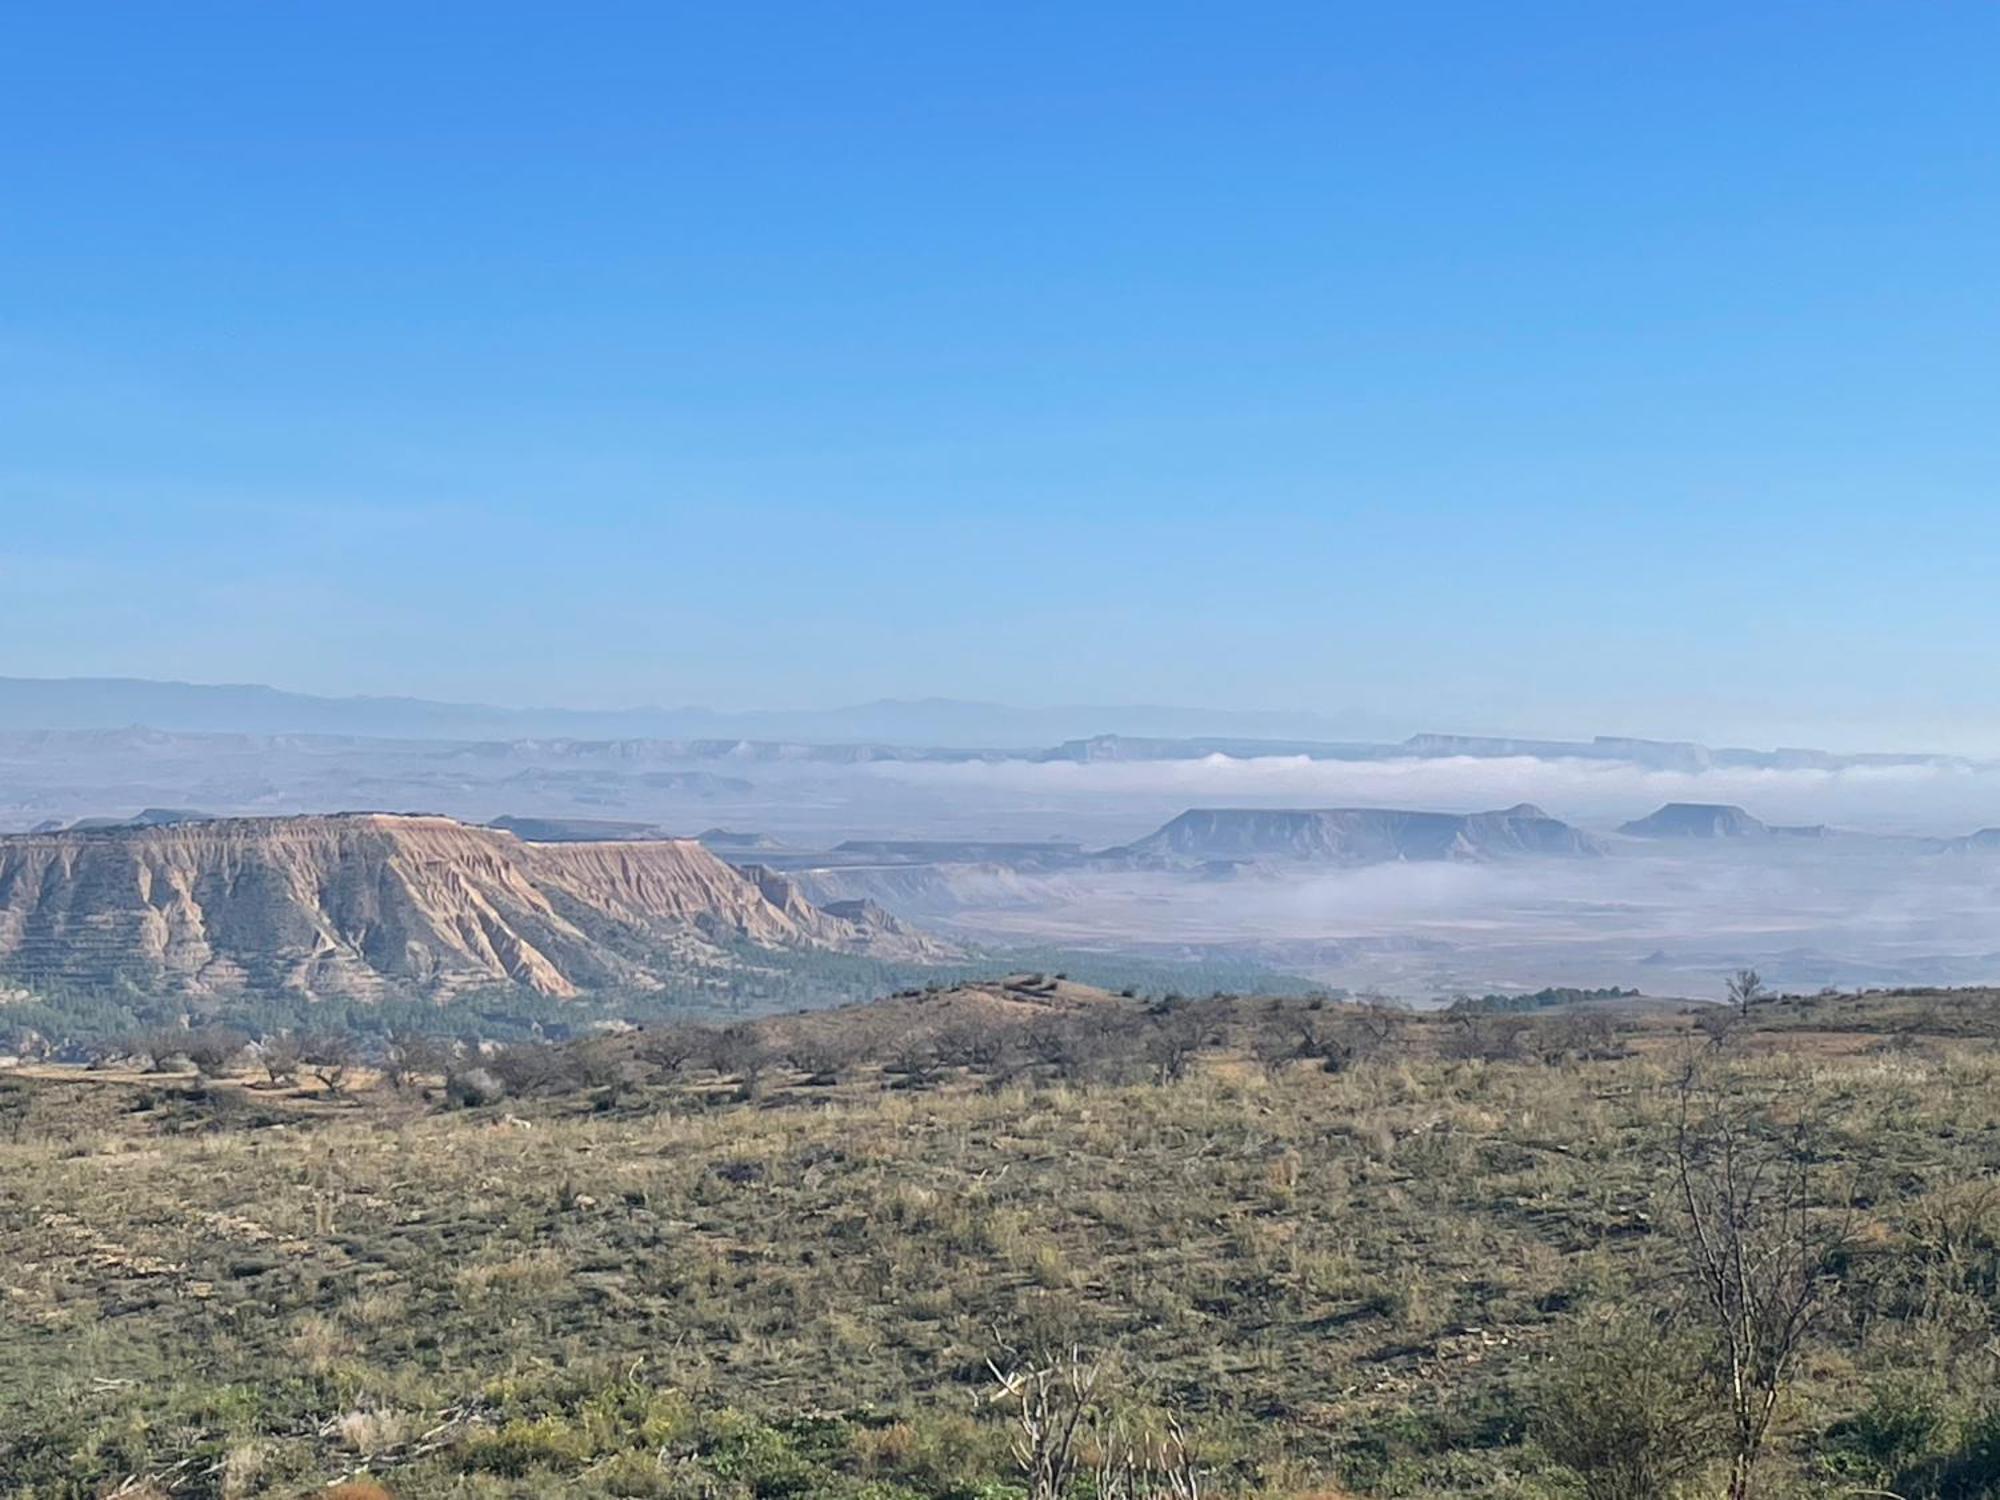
1364,835
368,905
1697,820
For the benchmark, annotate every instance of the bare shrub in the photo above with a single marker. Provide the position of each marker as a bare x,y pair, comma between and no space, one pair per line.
1067,1424
329,1057
278,1055
669,1051
1764,1252
158,1049
410,1056
595,1063
740,1052
474,1087
1718,1023
529,1068
1171,1043
1572,1035
1472,1037
1049,1401
822,1055
212,1049
1628,1409
970,1042
913,1060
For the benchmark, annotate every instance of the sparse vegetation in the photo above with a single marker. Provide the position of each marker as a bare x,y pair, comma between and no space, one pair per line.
1281,1247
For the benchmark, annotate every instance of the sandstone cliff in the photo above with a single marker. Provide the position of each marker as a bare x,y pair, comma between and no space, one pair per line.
372,904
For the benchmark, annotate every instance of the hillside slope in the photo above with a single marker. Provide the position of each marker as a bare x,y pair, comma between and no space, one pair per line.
361,906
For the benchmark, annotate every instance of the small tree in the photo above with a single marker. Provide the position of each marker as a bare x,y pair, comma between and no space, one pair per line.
1745,990
740,1052
1763,1253
913,1058
669,1050
159,1048
213,1049
1171,1044
278,1055
473,1087
598,1063
329,1057
410,1056
530,1067
821,1054
970,1042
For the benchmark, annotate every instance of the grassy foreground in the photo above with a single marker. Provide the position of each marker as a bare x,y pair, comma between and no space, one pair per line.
1372,1268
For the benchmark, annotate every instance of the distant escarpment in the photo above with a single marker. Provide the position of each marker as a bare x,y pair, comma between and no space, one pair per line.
1363,835
364,906
1696,820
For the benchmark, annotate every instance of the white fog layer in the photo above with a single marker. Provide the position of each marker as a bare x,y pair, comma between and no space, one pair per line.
1844,874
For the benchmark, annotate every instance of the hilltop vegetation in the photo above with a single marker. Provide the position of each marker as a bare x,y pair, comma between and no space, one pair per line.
1328,1246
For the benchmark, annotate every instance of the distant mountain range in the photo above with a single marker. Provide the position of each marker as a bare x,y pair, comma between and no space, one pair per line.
96,703
927,729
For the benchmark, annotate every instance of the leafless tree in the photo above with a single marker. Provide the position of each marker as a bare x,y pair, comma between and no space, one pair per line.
329,1057
278,1055
596,1062
970,1042
159,1048
1481,1038
1763,1251
740,1052
410,1056
670,1050
212,1049
1745,990
913,1058
1172,1042
530,1067
1578,1033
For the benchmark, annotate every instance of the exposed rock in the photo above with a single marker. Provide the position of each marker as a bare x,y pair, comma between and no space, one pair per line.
366,905
1696,820
1363,835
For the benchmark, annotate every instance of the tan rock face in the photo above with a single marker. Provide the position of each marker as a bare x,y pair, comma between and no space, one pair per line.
368,905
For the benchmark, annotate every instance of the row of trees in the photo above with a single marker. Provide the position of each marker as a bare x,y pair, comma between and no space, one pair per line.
1089,1043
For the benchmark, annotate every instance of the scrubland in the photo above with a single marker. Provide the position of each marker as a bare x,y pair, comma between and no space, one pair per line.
1284,1248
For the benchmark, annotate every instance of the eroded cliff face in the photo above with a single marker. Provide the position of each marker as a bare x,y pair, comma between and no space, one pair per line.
1367,835
367,905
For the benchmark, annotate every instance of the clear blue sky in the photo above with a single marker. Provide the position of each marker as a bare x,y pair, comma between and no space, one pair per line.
1532,366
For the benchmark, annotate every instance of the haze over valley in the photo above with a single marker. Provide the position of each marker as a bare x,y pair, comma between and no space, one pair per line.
1418,868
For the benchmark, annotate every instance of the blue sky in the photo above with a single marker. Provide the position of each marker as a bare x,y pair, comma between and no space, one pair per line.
1543,367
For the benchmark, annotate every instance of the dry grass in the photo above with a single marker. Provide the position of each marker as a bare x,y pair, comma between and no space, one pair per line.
1338,1278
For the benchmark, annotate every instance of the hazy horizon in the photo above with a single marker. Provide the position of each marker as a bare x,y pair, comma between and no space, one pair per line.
1554,371
1250,722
